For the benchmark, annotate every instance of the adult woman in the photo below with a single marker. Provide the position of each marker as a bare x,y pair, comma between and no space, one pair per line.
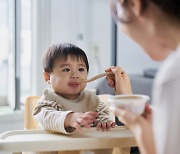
155,25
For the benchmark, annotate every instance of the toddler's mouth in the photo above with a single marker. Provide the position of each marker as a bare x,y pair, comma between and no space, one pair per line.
73,84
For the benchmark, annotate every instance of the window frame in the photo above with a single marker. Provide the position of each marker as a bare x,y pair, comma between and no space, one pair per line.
17,52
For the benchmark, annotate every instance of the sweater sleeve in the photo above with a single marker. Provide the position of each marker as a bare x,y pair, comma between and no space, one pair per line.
51,116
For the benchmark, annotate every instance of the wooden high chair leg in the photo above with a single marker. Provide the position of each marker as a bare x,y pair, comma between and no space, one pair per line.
122,150
125,150
68,152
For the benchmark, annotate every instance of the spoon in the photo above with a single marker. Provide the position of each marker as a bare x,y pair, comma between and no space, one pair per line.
95,77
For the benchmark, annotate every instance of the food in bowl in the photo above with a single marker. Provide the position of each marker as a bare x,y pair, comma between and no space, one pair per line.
131,102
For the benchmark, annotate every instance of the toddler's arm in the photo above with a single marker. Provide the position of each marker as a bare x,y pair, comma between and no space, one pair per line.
50,116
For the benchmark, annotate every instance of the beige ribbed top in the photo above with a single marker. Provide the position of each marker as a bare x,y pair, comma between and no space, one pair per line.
52,109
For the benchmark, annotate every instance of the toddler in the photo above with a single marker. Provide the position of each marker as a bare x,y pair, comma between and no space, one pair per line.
66,106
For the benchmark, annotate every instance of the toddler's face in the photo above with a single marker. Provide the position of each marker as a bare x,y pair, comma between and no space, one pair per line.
65,76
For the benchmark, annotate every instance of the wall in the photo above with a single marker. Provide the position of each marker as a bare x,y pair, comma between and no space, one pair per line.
40,42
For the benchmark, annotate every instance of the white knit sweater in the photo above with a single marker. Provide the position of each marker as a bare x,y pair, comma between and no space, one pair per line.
52,109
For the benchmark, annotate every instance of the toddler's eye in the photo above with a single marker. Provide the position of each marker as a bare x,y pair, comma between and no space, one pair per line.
66,70
81,69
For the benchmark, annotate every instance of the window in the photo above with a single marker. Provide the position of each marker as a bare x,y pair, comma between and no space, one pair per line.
7,49
15,47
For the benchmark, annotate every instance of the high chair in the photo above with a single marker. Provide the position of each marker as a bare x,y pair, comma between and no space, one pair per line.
31,123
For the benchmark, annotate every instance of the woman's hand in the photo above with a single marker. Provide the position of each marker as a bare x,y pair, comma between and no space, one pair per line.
105,126
119,80
141,126
78,120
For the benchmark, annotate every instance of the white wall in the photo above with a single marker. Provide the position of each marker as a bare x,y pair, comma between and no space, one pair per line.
40,42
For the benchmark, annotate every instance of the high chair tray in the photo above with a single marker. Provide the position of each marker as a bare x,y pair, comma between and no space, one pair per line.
40,140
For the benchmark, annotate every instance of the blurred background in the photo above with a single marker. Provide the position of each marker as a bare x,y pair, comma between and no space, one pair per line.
28,27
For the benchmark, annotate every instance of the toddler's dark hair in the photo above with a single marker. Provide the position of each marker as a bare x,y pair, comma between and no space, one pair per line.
61,52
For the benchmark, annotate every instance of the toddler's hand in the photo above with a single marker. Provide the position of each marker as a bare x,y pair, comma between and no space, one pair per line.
119,80
105,126
78,120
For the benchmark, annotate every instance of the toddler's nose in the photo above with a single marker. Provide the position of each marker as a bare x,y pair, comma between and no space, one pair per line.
74,77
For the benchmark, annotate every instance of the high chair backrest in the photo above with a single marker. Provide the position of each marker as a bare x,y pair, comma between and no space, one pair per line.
29,121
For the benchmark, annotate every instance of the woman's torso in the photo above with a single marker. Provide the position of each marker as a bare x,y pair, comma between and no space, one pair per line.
166,99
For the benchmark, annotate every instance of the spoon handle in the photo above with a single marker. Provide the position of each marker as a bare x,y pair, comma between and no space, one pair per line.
95,77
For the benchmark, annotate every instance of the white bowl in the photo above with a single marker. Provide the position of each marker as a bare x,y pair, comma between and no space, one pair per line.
131,102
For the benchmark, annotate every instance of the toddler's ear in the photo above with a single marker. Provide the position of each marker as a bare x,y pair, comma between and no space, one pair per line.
46,76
